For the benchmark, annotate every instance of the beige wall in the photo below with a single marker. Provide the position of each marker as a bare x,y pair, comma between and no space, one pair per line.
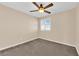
15,27
77,28
63,30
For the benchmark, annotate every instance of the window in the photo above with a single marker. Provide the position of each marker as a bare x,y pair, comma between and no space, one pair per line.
45,24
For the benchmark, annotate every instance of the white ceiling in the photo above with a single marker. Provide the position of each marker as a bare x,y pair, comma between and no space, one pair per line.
28,6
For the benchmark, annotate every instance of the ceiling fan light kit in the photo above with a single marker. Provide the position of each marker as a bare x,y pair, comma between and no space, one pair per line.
41,10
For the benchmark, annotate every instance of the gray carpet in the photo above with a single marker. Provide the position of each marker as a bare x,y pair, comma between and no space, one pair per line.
40,47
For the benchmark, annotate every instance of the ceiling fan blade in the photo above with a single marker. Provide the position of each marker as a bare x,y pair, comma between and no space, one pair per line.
36,4
51,4
47,11
33,10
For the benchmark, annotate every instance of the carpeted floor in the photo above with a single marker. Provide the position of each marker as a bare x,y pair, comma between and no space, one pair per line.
40,47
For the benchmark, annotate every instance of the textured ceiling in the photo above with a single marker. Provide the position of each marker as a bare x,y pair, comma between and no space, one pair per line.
25,7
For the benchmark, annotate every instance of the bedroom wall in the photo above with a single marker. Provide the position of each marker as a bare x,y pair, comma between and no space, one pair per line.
77,29
15,27
63,28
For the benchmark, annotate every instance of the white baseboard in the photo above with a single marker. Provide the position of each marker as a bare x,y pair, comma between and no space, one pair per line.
16,44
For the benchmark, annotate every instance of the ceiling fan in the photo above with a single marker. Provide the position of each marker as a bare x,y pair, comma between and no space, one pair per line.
41,8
